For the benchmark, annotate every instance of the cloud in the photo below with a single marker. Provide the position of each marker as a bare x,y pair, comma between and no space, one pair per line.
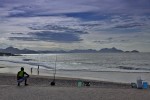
79,22
123,39
17,33
60,37
45,8
58,28
81,9
130,25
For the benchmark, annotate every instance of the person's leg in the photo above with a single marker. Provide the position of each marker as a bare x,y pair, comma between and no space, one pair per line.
18,80
25,83
25,80
18,84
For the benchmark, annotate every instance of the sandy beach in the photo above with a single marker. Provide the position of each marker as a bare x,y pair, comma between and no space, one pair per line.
67,89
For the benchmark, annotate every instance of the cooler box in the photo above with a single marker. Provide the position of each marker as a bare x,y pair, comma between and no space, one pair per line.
145,85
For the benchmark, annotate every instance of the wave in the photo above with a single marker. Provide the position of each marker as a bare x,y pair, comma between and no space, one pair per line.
132,68
89,70
114,69
29,63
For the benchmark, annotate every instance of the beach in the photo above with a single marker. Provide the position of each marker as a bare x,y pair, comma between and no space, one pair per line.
67,89
108,80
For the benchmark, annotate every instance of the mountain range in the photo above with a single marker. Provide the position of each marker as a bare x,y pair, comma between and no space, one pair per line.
13,50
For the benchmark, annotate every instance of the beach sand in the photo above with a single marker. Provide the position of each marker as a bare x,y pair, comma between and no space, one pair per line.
67,89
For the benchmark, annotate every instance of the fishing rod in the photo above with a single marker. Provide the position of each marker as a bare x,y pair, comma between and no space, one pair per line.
53,82
55,68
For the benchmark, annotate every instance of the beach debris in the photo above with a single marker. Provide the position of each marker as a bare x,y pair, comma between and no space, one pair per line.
140,84
133,85
86,83
53,83
79,83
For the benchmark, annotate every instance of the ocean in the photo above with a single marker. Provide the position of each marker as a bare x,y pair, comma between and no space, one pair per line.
117,67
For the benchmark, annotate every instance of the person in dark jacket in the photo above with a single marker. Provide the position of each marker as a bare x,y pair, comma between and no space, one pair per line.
22,76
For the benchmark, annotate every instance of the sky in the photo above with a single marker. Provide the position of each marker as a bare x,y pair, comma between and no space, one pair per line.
75,24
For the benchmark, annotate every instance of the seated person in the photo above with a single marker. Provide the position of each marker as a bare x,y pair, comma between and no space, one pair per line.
22,76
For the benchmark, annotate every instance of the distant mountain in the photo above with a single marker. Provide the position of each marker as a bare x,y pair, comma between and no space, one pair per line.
111,50
13,50
17,51
83,51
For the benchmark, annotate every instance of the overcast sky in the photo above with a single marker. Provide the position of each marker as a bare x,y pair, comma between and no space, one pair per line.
75,24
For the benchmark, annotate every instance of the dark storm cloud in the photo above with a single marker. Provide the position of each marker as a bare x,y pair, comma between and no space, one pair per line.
50,37
17,33
58,28
23,38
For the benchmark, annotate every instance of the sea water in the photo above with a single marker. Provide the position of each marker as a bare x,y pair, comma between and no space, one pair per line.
120,67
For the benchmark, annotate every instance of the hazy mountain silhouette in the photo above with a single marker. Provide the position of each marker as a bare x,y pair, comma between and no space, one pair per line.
112,50
27,51
17,51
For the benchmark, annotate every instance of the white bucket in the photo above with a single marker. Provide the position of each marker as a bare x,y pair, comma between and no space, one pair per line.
139,83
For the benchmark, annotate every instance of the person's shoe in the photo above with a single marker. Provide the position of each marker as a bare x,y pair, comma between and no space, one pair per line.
26,84
18,84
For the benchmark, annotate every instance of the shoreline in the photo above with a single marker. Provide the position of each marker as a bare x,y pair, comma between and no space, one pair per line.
116,77
35,80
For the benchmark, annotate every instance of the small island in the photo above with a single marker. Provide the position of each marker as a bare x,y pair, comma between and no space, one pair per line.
133,51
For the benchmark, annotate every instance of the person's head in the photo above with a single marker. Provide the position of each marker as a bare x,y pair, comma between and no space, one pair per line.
22,69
